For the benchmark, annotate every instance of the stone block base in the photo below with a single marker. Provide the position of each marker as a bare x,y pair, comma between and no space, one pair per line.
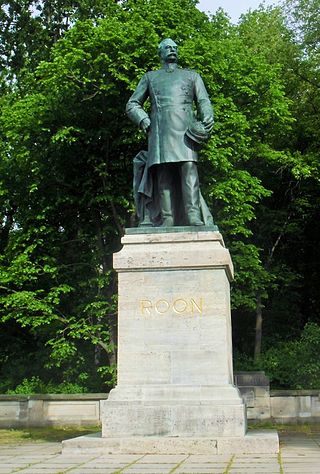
254,442
173,411
174,420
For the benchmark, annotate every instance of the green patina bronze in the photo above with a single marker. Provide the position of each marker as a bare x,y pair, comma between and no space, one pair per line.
166,182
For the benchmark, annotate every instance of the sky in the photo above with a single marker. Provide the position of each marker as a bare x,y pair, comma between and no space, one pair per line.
234,8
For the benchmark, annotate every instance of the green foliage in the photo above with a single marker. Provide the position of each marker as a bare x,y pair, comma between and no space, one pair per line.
295,364
35,386
109,372
251,277
65,170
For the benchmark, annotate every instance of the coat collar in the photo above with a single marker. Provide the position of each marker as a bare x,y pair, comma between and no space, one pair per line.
170,67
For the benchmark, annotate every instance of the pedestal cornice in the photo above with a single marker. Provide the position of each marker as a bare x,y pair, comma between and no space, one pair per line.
173,251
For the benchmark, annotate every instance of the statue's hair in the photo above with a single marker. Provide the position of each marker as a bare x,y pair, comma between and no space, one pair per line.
163,43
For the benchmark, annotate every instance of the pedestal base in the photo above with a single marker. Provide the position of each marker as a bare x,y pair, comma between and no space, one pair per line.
262,442
175,391
166,410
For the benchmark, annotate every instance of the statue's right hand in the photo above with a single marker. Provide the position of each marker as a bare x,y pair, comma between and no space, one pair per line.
145,124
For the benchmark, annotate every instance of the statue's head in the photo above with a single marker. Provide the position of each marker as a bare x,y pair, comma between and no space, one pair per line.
168,51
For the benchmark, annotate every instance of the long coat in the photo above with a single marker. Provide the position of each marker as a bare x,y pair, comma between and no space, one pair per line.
172,92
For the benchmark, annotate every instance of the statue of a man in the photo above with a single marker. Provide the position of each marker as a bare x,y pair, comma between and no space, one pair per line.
169,179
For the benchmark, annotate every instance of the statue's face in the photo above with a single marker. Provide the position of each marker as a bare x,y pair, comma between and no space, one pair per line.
169,51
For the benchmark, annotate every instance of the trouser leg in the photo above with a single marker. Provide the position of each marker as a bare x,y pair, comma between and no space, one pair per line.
191,192
165,189
145,212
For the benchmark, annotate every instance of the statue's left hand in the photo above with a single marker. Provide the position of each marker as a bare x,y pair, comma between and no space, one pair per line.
208,123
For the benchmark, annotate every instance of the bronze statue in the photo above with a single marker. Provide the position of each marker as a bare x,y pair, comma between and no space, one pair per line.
166,182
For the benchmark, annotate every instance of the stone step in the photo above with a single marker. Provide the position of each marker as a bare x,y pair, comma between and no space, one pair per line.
264,442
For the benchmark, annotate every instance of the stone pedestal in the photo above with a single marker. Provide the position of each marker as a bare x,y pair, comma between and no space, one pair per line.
175,389
174,350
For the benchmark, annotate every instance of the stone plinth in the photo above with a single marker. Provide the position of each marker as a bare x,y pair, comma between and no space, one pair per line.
175,387
254,442
174,351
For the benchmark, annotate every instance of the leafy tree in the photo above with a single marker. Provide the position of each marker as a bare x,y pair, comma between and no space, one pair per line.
282,219
29,28
62,140
66,148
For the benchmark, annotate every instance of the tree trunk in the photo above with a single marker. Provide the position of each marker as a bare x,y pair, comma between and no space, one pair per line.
112,355
258,332
259,307
6,227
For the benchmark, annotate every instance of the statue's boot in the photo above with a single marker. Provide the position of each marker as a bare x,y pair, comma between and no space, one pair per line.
165,188
194,219
166,208
146,222
191,192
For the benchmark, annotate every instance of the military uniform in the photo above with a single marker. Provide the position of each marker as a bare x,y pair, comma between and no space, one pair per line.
172,92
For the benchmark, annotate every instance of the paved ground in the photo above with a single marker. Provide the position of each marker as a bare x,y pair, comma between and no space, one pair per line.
299,454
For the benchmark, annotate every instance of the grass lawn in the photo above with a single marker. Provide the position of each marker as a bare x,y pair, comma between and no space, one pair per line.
58,434
306,428
44,434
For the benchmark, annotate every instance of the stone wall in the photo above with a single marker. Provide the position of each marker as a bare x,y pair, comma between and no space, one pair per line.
255,390
50,410
280,406
295,406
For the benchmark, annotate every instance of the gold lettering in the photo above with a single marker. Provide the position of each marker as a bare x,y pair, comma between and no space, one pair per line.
145,306
161,303
176,305
195,306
